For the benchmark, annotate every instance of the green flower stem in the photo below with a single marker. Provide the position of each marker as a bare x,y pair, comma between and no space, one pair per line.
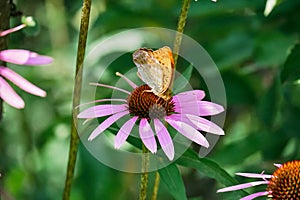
4,25
180,28
144,176
177,43
156,186
74,140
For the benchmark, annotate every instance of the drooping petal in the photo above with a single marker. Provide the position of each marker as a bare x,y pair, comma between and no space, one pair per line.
124,132
190,95
200,108
24,57
188,107
242,186
188,131
107,123
186,102
199,123
183,118
21,82
205,125
164,139
252,175
207,108
147,135
253,196
8,94
102,110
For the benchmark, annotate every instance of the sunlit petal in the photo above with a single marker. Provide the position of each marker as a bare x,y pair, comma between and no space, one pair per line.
106,123
102,110
147,135
24,57
253,196
8,94
21,82
188,131
242,186
164,139
252,175
124,132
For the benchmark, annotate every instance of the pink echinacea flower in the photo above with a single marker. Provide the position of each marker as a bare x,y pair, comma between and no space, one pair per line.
184,112
20,57
283,184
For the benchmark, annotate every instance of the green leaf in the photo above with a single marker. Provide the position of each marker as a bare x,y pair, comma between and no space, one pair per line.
209,168
272,48
269,104
181,81
291,69
239,88
172,178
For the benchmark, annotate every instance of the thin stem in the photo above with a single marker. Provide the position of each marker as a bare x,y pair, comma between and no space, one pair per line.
177,43
180,28
74,139
156,186
144,176
4,25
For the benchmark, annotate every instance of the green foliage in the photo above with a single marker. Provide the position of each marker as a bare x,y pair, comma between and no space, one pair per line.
171,177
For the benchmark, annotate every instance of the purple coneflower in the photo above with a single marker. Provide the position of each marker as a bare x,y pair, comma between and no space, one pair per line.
283,184
182,112
20,57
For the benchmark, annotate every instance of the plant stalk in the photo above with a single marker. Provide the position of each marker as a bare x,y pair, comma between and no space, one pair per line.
144,176
74,139
4,25
177,44
180,28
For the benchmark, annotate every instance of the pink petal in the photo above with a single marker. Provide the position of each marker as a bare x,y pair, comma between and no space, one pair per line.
164,139
188,107
277,165
190,95
201,108
102,110
9,96
252,175
253,196
198,123
107,123
132,84
147,135
124,132
207,108
21,82
111,87
188,131
205,125
242,186
24,57
3,33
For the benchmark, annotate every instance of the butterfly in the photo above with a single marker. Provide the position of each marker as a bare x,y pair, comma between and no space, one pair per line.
156,69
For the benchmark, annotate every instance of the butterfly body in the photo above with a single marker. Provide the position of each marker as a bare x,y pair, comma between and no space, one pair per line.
156,69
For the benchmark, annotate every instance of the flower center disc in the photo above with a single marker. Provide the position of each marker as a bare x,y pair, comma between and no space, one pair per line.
144,104
285,182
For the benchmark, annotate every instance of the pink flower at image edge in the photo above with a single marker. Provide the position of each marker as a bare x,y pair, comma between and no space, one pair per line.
20,57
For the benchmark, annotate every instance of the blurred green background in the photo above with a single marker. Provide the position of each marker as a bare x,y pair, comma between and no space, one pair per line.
258,57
